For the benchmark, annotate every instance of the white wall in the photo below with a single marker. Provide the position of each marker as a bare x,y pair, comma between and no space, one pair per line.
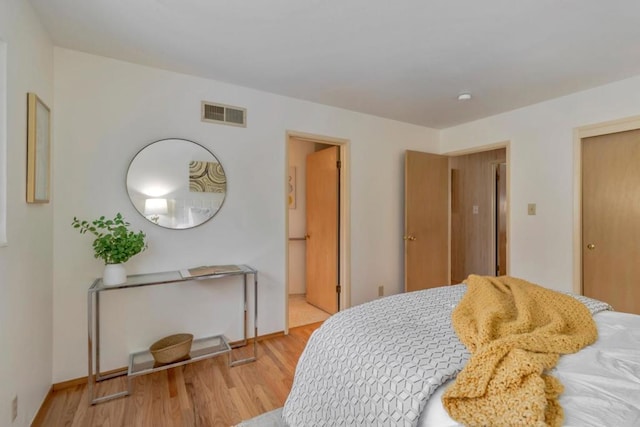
3,143
106,110
26,262
541,172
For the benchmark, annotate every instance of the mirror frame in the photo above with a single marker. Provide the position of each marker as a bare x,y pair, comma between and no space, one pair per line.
186,141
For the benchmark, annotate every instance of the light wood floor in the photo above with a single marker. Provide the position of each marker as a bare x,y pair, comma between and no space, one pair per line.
205,393
302,313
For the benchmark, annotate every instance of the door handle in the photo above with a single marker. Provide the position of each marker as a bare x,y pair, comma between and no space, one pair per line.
307,236
409,237
591,246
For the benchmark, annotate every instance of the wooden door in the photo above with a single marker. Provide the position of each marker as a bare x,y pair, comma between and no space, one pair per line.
611,219
426,220
322,204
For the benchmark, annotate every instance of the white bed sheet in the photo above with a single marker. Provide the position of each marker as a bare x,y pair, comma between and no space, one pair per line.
601,382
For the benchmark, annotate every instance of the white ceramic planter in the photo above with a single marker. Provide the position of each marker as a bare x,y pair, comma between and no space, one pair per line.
114,274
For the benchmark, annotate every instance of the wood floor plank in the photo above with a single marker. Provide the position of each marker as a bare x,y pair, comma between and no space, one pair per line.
181,407
268,402
73,400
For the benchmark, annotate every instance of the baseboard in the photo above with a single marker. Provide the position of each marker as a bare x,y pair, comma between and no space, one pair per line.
309,325
38,420
260,338
83,380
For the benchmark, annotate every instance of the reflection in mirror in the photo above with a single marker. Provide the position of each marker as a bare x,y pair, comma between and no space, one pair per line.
176,183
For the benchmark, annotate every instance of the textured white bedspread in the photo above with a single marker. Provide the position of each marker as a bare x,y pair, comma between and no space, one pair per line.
377,363
380,362
602,381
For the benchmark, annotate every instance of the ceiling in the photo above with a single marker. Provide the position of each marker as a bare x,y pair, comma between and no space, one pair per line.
406,60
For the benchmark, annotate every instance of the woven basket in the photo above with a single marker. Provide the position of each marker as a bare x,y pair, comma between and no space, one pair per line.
171,348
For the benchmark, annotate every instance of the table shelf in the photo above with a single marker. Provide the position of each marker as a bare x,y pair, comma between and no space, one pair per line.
142,362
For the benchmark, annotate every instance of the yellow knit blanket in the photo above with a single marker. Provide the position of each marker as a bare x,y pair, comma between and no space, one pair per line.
515,331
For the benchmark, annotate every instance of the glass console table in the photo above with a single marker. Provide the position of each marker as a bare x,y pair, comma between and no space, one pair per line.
141,363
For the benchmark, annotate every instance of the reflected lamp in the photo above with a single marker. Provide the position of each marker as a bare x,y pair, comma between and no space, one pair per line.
153,208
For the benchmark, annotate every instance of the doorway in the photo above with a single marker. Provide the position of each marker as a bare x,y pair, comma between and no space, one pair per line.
316,228
469,192
475,213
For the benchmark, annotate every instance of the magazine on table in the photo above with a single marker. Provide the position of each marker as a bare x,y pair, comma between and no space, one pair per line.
209,270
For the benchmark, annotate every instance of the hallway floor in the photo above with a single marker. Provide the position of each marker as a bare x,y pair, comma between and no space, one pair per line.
302,313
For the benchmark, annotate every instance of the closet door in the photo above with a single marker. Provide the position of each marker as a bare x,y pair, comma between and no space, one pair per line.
611,219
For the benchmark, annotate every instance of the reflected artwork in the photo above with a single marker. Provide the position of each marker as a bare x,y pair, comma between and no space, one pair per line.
206,177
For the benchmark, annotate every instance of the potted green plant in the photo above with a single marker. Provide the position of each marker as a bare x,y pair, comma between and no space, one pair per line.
114,244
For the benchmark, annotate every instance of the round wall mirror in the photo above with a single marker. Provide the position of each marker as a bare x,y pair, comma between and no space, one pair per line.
177,184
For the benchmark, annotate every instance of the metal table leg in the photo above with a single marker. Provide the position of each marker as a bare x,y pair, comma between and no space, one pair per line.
93,377
255,322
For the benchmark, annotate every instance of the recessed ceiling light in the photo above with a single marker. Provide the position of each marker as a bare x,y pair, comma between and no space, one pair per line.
464,97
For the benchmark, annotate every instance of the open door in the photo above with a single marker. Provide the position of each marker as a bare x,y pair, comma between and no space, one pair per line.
426,220
323,213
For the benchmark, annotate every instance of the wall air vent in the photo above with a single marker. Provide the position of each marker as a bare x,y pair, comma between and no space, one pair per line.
225,114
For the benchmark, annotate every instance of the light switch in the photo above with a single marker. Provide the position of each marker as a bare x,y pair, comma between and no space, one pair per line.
475,209
531,209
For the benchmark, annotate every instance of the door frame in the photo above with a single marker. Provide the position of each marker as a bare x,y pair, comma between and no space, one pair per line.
579,133
495,166
345,226
479,149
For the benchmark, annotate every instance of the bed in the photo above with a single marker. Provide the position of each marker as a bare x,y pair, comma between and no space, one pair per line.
389,362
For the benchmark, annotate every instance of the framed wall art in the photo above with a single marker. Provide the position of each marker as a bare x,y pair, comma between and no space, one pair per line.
38,149
292,187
